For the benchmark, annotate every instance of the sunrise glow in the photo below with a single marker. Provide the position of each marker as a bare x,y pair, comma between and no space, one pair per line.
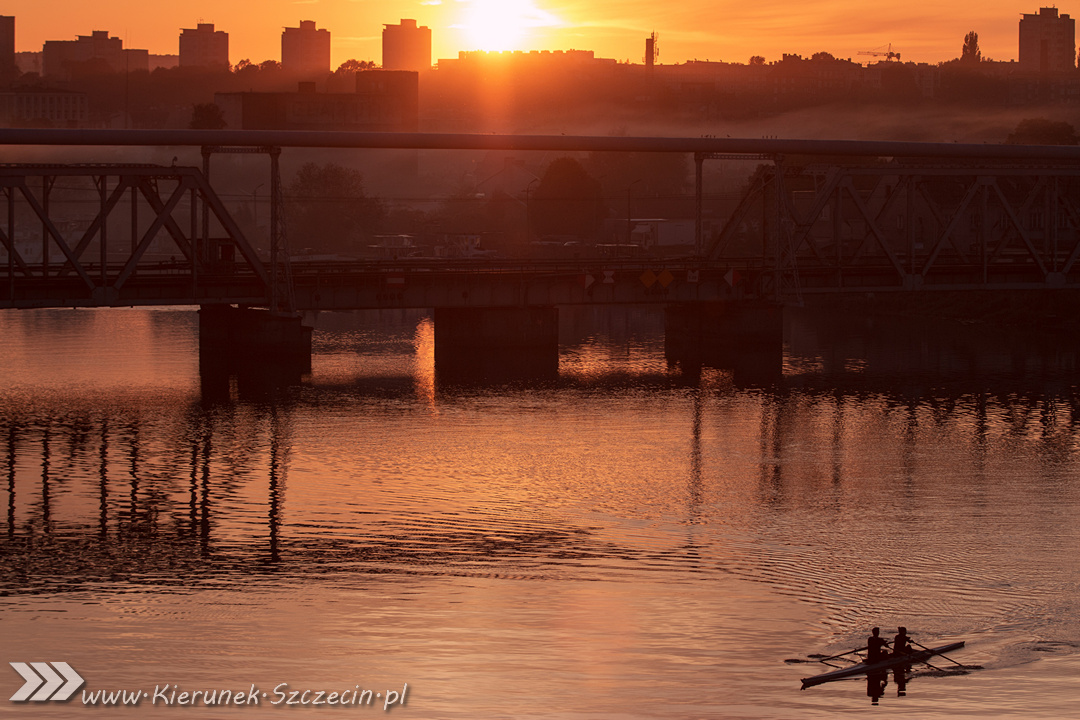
729,32
503,24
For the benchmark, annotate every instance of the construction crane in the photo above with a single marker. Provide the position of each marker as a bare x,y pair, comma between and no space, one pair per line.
884,51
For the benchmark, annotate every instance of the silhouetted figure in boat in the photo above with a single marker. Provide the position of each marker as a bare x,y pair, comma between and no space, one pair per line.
901,643
875,647
901,646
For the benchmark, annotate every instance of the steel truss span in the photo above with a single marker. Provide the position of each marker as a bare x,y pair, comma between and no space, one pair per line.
908,225
818,216
88,265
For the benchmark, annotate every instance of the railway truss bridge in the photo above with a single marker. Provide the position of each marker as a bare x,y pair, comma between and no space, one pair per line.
816,217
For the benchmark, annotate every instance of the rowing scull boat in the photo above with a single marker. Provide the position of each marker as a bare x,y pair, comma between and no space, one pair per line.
881,665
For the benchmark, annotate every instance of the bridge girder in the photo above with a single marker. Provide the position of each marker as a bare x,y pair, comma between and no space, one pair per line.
103,281
907,225
970,217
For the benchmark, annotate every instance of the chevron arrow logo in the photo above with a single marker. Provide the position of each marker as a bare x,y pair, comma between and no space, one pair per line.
46,682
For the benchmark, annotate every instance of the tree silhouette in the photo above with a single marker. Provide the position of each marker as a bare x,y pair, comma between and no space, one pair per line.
971,51
567,201
657,176
1041,131
328,209
757,60
354,65
206,116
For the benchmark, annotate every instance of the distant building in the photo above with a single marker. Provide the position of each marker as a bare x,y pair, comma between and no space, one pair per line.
44,108
163,61
383,101
549,61
815,77
539,65
406,47
305,50
8,67
29,62
502,90
392,98
1047,42
204,47
1028,89
511,179
91,54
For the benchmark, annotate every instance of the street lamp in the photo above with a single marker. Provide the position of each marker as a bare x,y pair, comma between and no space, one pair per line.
255,208
528,212
629,229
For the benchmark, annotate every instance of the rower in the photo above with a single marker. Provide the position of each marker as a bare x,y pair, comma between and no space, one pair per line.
875,646
901,643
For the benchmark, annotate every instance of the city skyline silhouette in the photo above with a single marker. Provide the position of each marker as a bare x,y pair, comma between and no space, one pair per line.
694,31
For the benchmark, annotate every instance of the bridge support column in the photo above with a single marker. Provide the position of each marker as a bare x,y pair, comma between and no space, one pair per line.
496,342
256,345
745,337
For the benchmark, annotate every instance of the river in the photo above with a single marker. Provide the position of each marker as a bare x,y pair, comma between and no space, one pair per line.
628,540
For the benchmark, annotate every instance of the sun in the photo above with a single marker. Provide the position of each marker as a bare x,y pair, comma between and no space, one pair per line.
503,24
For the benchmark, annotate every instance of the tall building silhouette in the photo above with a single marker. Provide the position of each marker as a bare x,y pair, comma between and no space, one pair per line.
406,47
305,50
204,47
8,68
1047,42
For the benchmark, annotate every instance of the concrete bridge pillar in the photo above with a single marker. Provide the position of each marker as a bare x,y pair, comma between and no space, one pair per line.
496,342
742,336
254,344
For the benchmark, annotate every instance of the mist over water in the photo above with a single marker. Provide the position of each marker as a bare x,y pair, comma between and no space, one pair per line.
630,539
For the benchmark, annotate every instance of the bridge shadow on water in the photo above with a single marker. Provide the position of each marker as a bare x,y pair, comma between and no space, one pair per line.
823,349
905,356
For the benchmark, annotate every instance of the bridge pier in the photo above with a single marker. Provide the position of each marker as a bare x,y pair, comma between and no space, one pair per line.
746,337
258,346
474,343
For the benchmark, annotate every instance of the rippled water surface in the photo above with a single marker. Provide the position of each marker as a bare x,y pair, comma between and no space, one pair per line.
633,539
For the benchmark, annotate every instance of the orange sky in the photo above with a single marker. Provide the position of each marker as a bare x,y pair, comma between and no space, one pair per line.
691,29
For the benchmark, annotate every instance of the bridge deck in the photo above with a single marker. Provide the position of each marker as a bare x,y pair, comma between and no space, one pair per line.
486,283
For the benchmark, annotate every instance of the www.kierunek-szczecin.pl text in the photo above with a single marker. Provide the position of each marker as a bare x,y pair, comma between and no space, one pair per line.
171,695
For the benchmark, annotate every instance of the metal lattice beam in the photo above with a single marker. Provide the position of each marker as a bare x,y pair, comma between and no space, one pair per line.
909,225
103,282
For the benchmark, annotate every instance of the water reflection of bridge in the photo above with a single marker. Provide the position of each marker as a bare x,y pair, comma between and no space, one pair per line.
102,497
817,217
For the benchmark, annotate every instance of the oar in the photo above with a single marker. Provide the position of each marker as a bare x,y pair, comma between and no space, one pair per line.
834,657
938,654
